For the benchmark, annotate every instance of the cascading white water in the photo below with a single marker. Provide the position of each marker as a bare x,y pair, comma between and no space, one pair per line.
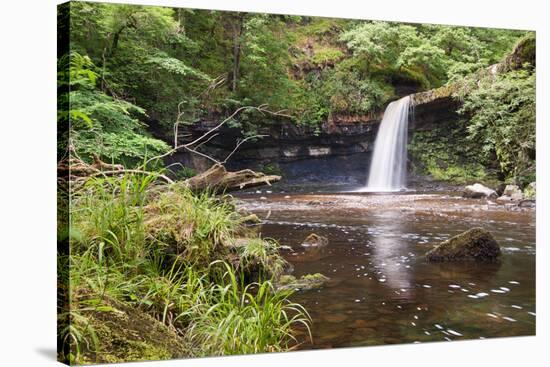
388,166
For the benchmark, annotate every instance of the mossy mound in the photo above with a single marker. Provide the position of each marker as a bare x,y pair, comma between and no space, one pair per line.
127,334
304,283
475,244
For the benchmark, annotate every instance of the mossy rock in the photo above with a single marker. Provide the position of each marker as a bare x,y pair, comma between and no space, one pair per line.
127,334
315,240
304,283
250,219
530,192
475,244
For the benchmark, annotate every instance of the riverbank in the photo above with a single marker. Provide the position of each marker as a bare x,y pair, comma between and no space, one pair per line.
151,271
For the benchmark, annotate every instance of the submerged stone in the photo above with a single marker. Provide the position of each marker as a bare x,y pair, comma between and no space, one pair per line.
314,240
475,244
528,203
251,219
305,282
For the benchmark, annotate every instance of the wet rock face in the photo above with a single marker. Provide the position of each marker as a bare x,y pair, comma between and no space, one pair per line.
335,152
314,240
475,244
477,191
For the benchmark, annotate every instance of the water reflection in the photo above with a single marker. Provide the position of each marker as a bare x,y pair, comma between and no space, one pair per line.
391,254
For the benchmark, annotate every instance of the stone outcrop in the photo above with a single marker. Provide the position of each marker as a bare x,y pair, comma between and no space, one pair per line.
475,244
477,191
337,151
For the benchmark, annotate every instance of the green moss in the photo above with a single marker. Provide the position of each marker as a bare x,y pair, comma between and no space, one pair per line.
326,55
305,282
530,191
272,169
127,334
457,174
475,244
446,154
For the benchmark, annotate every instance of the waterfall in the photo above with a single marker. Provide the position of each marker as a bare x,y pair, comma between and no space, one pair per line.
388,167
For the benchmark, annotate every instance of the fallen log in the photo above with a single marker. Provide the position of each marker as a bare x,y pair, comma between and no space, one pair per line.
77,168
218,179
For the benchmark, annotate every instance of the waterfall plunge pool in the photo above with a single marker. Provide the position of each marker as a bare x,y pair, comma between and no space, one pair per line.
381,289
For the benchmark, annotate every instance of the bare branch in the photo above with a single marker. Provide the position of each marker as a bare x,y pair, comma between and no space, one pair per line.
189,146
200,153
239,143
207,140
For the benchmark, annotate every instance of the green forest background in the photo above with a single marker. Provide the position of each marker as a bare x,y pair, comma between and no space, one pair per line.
134,64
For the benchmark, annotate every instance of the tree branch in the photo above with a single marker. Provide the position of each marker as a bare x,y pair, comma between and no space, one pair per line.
239,143
208,135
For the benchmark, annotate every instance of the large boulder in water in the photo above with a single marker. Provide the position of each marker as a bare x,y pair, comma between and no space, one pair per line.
475,244
477,191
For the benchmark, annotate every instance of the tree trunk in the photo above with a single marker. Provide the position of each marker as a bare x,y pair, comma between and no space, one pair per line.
237,28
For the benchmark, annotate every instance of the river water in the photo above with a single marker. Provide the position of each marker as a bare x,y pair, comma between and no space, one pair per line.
381,289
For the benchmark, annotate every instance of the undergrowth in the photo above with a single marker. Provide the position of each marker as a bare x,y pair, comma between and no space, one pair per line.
168,258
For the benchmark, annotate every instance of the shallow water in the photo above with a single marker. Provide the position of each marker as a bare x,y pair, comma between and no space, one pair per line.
381,289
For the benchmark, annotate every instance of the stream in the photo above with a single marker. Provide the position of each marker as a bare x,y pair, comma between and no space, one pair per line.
381,289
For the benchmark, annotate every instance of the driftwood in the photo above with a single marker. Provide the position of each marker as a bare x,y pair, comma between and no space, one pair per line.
76,170
218,179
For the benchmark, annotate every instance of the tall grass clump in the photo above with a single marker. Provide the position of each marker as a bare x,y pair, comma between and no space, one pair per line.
260,258
196,227
245,318
142,253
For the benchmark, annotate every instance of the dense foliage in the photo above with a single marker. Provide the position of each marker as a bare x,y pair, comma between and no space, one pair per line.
502,111
315,68
101,124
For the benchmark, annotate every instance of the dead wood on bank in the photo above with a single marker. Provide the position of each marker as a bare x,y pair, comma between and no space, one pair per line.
218,179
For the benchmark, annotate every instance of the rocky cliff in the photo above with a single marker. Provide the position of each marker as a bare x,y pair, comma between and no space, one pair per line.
335,153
